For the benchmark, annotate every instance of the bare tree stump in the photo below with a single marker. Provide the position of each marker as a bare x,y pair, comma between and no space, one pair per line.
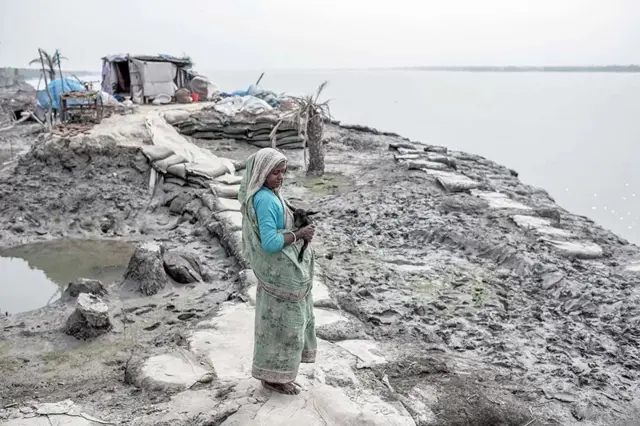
145,272
90,319
84,285
314,143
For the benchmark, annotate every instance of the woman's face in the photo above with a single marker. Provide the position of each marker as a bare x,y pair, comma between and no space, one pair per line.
276,177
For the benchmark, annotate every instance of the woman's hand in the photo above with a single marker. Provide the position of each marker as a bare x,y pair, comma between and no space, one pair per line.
306,233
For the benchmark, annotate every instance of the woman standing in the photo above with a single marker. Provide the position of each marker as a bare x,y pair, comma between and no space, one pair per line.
284,324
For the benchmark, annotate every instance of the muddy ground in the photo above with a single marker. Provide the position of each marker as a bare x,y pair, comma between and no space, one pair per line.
483,313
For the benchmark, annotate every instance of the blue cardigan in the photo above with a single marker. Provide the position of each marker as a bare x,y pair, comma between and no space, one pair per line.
270,213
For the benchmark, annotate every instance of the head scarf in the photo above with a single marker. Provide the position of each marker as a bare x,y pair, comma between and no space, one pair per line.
259,165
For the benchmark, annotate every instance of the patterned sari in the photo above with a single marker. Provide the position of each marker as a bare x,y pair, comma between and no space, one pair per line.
284,323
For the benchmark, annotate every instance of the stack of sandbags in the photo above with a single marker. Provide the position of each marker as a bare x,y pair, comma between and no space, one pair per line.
177,169
254,129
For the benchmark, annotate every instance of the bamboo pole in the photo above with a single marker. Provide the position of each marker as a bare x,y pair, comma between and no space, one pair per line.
46,85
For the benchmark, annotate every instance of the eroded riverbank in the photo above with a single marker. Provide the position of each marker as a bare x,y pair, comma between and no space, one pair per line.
435,307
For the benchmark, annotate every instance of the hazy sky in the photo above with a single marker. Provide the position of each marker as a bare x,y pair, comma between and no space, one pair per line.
267,34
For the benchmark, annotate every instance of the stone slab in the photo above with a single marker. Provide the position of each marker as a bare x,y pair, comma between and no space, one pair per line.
172,369
320,291
326,405
61,413
227,341
453,182
633,267
577,249
407,157
540,225
328,316
367,352
52,420
426,164
498,200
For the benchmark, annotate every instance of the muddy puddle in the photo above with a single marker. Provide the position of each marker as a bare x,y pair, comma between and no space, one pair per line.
35,274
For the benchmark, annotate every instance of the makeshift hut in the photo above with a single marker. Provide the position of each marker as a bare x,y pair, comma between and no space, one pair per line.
143,78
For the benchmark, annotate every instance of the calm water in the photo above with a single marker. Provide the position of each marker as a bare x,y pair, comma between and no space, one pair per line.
575,134
36,274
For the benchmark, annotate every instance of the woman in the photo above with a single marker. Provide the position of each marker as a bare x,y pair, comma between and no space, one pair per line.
284,325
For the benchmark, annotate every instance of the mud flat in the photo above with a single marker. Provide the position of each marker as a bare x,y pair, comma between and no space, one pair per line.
450,293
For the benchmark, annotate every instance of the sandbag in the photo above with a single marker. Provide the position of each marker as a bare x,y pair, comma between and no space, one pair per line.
156,153
178,170
209,200
229,220
229,179
175,180
224,191
209,170
163,165
176,116
226,204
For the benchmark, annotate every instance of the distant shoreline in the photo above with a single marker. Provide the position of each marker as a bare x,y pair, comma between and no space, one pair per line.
606,68
31,73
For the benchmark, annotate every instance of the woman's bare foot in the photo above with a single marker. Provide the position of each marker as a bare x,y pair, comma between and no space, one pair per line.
283,388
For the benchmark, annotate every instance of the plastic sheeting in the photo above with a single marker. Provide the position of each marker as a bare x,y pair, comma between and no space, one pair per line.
56,88
237,104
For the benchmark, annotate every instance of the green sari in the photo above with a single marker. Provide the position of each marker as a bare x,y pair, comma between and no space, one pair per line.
284,322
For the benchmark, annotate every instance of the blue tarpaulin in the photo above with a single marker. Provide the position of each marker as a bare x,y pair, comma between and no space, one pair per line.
56,88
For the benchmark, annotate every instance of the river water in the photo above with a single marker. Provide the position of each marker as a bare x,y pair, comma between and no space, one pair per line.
575,134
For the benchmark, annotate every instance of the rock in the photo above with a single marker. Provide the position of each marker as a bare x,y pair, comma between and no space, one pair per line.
551,280
145,272
340,330
183,267
106,223
90,319
85,285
